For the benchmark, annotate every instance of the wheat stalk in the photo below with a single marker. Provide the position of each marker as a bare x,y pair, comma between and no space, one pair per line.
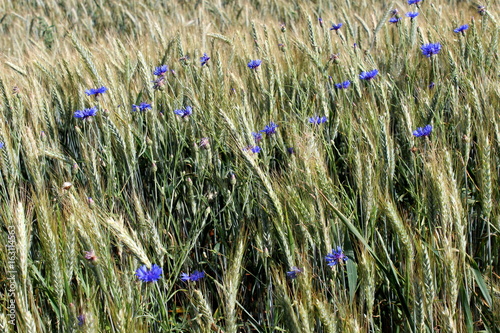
121,233
231,283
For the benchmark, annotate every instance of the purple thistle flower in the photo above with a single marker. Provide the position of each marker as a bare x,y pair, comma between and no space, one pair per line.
294,272
257,136
336,26
96,91
461,28
159,82
85,113
197,275
412,15
149,275
334,58
270,129
425,131
184,112
204,59
394,19
316,120
204,143
343,85
368,75
160,71
254,64
90,255
412,2
336,257
141,107
430,49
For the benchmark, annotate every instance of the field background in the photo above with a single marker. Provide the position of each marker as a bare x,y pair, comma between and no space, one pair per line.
418,217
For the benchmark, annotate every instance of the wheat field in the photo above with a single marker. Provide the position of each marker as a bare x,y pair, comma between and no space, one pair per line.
249,166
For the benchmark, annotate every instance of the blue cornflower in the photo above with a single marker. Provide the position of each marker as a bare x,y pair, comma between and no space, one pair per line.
368,75
84,114
430,49
343,85
425,131
394,19
184,112
149,275
197,275
335,257
256,150
461,28
431,85
294,272
204,59
290,150
270,129
320,20
253,149
412,2
81,320
96,91
316,120
257,136
160,71
336,26
141,107
2,144
412,15
254,64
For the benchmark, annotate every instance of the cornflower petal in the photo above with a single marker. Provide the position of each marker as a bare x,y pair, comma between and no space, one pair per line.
430,49
149,275
368,75
254,64
96,91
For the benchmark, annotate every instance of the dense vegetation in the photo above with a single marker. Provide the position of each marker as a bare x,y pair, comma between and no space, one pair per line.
189,194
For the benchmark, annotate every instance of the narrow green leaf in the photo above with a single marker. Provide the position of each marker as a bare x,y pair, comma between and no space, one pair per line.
480,282
352,279
468,314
